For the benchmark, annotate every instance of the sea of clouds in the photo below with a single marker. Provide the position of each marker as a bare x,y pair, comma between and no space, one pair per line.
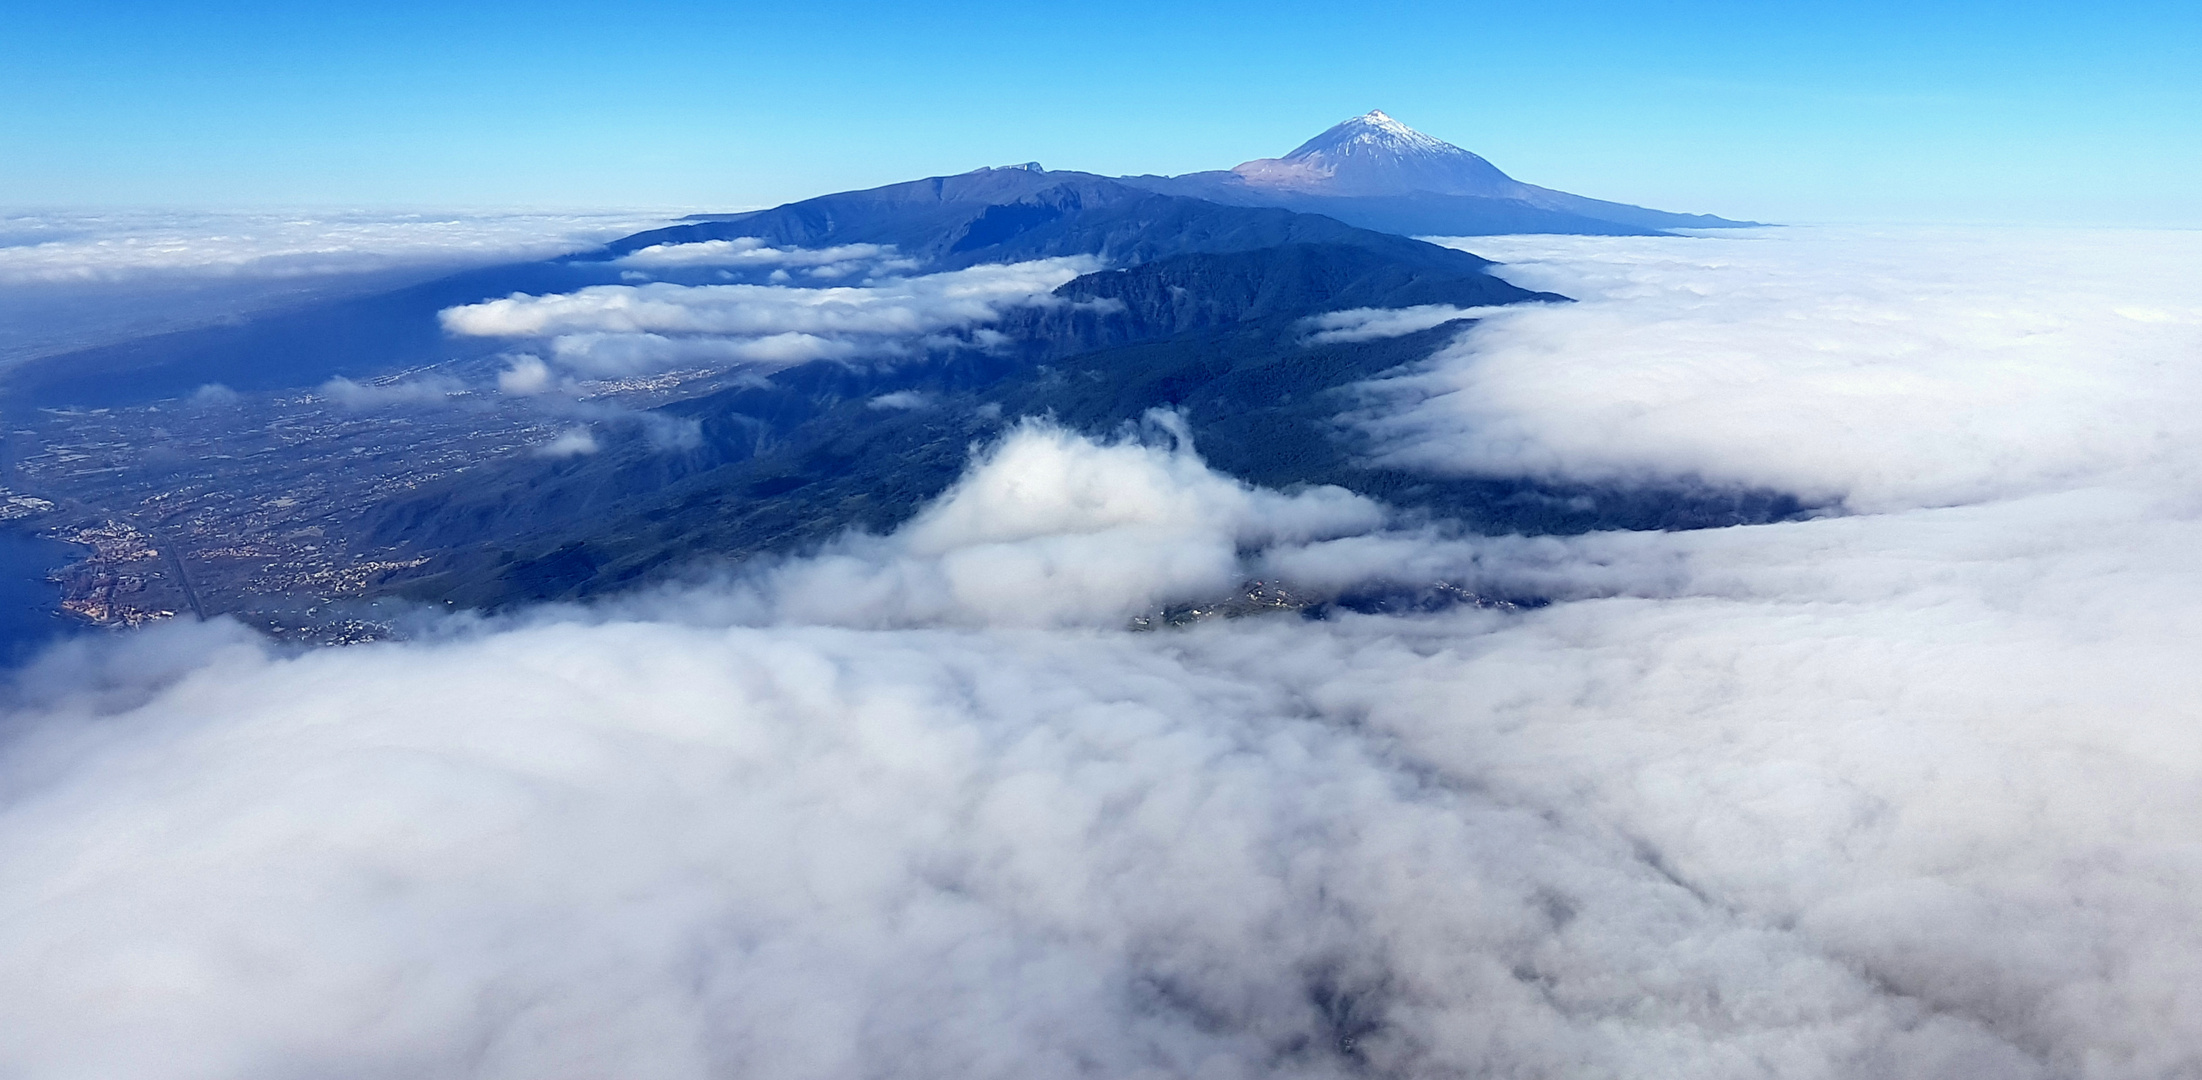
1909,789
77,278
82,246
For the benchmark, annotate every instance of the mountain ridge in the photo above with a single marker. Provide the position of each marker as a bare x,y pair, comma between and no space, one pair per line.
1202,306
945,222
1375,172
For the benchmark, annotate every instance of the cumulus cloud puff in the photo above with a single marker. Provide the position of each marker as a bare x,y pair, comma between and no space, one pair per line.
1051,529
573,442
608,329
525,375
1908,793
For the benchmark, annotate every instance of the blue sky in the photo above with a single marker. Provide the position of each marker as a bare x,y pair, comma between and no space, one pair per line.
1858,111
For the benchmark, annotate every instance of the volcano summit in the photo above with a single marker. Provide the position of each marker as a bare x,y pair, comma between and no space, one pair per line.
1378,173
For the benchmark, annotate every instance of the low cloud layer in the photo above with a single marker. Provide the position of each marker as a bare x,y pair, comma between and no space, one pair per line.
416,391
620,329
1914,792
1366,324
116,246
1885,369
73,279
838,261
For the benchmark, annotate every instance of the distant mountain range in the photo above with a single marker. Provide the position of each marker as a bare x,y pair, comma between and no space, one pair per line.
1378,173
1367,175
1370,171
939,223
1203,304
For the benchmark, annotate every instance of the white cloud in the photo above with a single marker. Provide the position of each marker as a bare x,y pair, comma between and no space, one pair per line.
424,390
1051,529
1365,324
611,355
631,328
750,251
526,376
1914,793
902,399
900,306
63,247
213,394
676,851
1951,747
76,279
1885,369
573,442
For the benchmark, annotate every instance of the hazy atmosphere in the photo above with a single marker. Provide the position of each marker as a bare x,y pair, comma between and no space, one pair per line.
1267,589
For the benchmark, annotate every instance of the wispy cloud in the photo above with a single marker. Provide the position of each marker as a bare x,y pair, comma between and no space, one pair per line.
1366,324
427,390
828,262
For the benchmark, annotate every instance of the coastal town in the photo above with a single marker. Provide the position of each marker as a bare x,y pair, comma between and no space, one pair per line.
254,506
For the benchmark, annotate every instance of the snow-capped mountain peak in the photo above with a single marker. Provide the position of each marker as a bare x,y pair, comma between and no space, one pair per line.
1374,154
1376,131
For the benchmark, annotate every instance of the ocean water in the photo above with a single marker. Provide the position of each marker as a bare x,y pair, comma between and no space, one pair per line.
29,615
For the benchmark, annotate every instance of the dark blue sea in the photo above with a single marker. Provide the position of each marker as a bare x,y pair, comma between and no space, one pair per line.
29,616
